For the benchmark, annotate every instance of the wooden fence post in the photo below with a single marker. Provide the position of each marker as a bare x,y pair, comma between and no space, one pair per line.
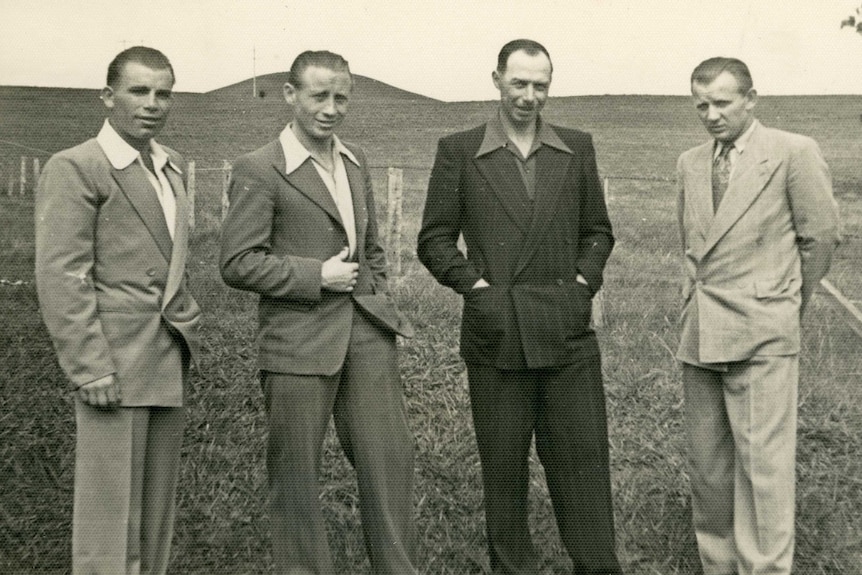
599,298
11,189
23,179
225,184
37,171
395,193
190,193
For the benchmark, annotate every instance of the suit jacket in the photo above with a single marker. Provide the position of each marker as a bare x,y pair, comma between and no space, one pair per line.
112,284
751,266
279,230
535,314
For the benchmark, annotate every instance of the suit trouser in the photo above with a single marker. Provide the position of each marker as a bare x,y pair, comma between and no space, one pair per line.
565,408
741,428
126,466
366,400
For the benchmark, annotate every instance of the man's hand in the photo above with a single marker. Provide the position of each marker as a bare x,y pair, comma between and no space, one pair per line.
103,392
337,274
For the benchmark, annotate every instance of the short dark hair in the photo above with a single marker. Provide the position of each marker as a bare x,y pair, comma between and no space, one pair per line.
531,47
710,69
319,58
149,57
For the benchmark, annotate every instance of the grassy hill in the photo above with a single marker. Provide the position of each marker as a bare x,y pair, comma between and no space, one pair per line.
222,524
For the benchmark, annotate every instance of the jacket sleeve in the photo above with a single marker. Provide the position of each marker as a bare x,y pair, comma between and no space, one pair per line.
815,213
595,235
246,259
442,221
67,209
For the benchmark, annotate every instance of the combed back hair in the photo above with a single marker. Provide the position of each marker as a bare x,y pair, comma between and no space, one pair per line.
149,57
709,70
531,47
320,59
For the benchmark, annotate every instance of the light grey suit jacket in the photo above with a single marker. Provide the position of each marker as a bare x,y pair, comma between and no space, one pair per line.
112,284
751,267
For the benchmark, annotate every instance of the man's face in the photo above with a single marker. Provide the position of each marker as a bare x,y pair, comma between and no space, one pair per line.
139,102
319,105
724,110
523,87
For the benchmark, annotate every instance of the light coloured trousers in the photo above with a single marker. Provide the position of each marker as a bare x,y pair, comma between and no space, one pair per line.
741,428
126,466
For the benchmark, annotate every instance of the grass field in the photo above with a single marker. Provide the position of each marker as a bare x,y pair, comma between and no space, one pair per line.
222,527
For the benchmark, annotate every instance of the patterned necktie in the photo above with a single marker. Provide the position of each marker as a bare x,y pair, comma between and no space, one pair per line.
720,175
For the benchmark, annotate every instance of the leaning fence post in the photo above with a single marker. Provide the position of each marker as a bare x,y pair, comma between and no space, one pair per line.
395,191
190,192
599,297
23,179
225,184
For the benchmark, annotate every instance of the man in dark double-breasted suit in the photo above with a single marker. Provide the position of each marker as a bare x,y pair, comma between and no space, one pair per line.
527,198
302,233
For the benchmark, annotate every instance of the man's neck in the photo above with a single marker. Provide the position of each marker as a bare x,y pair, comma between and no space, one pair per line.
320,150
521,136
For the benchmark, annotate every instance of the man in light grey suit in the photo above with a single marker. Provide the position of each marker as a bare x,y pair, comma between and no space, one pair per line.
302,234
759,225
111,249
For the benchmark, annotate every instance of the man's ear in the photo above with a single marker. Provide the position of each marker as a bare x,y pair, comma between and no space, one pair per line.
289,93
107,97
495,76
751,96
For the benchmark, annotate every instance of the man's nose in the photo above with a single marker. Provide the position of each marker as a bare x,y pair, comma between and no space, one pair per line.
712,113
152,101
529,93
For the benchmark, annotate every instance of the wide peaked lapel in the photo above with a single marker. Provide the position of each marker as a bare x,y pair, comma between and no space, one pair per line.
308,182
505,181
177,268
356,178
551,168
750,176
137,188
699,188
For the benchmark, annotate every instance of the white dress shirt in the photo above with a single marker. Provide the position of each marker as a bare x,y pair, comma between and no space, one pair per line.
122,155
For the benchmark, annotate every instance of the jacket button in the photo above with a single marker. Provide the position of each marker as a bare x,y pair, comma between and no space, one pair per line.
151,272
560,281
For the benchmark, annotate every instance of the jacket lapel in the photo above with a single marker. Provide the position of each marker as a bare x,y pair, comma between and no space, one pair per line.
749,179
701,189
307,181
176,271
137,188
357,192
551,168
505,181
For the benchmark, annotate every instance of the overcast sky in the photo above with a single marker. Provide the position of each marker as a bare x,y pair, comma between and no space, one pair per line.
445,50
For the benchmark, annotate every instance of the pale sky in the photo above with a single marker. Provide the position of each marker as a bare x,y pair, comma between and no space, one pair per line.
445,50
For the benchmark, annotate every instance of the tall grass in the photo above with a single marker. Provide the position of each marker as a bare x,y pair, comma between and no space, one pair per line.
222,516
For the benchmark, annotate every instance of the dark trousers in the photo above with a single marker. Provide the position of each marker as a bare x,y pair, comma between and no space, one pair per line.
366,400
565,408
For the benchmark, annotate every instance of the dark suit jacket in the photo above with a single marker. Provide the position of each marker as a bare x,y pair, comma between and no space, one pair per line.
279,230
534,314
111,282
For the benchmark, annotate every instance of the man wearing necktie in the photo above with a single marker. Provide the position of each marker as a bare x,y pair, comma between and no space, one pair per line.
301,233
758,224
111,250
